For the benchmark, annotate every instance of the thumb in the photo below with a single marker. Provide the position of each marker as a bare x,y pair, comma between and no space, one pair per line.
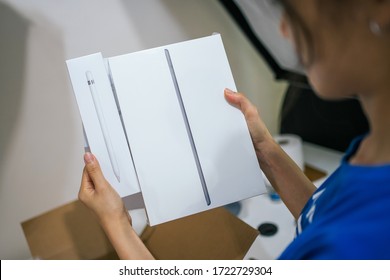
239,101
92,168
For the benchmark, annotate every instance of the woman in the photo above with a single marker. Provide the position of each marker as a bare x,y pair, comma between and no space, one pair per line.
344,46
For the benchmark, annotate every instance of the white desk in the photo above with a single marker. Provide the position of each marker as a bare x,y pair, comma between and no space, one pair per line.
261,209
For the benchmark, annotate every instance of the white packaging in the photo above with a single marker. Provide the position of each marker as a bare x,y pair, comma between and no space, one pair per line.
187,150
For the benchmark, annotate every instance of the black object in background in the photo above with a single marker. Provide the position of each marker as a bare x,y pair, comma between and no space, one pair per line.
331,124
280,71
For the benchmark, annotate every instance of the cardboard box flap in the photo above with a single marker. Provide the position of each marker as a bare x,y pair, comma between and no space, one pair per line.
67,232
71,232
214,234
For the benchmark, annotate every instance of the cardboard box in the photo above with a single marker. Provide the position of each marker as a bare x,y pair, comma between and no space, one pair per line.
210,235
160,126
71,232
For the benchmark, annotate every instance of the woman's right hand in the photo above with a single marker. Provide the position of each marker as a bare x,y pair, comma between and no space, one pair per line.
98,195
259,132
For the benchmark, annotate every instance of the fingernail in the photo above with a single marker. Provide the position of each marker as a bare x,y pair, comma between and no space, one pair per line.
88,158
229,91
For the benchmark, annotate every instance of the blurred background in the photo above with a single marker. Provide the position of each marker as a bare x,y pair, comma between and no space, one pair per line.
41,142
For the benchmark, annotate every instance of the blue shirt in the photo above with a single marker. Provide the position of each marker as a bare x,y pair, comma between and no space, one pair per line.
348,217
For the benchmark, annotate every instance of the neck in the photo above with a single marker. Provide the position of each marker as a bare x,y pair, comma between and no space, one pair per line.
375,148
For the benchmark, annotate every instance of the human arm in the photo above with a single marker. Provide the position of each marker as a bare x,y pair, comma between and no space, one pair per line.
98,195
285,176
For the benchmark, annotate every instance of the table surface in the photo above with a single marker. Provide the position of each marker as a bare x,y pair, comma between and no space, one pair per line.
262,209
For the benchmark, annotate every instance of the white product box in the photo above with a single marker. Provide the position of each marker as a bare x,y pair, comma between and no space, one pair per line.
159,124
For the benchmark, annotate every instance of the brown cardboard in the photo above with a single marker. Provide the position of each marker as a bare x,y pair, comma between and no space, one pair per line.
72,232
314,173
214,234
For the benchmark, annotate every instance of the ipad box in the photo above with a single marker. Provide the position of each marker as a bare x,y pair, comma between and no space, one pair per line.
166,138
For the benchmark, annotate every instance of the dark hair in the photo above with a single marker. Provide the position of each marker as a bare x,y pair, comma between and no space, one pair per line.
335,12
301,33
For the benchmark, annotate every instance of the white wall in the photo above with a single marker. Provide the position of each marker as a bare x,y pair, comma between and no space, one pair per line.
41,143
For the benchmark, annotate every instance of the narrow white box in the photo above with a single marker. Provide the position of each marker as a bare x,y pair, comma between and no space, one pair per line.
167,135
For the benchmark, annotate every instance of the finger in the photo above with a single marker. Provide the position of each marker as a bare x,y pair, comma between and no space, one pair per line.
239,101
232,98
93,170
86,181
86,186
